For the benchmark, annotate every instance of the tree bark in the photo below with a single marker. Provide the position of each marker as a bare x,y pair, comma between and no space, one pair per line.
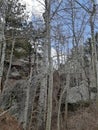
65,91
94,76
10,63
2,39
50,84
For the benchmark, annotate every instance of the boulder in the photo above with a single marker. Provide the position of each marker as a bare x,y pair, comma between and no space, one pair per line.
79,93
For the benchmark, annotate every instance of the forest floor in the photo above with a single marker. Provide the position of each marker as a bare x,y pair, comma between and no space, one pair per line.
85,118
8,122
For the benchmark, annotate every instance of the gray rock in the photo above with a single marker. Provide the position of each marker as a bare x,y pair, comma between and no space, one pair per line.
14,97
79,93
14,74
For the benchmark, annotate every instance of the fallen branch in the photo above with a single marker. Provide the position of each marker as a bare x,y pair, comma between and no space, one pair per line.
4,112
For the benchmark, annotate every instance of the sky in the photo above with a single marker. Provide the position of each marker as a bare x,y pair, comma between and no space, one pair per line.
36,7
96,1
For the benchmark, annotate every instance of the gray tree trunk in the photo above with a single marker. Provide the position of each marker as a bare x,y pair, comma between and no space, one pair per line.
10,63
41,117
50,85
65,91
94,76
42,105
30,96
2,40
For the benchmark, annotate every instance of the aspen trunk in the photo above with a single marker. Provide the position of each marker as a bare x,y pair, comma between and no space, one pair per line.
41,118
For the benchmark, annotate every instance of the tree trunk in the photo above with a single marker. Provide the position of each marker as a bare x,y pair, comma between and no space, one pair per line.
10,63
2,59
50,84
41,105
94,75
2,39
65,90
41,118
30,95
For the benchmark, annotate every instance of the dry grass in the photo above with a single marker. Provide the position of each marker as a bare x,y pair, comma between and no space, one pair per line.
82,119
7,122
85,118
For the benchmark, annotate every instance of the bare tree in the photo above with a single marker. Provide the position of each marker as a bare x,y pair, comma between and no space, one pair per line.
10,63
3,5
50,89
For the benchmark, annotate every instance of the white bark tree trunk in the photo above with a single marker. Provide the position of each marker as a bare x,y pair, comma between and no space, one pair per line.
41,117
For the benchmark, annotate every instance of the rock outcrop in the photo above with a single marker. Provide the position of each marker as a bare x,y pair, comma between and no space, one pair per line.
13,98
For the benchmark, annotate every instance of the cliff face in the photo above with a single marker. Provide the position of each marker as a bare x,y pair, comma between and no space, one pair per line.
13,98
14,95
75,94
